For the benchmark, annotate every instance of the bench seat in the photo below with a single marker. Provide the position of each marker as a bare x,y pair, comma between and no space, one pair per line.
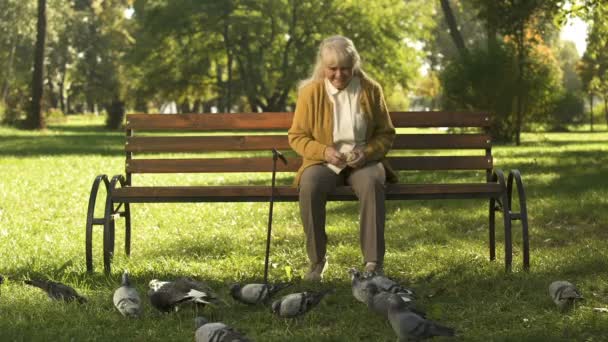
260,193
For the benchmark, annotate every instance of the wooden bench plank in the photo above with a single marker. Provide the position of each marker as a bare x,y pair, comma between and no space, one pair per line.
217,165
206,144
210,122
267,142
440,119
229,193
441,141
282,120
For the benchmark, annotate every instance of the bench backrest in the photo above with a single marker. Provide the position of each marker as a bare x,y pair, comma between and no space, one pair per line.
200,133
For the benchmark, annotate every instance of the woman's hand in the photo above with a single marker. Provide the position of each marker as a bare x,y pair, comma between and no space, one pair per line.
334,157
357,158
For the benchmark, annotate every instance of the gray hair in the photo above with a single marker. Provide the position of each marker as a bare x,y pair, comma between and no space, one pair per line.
335,51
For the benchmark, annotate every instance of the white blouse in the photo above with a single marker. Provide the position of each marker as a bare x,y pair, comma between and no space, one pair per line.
349,122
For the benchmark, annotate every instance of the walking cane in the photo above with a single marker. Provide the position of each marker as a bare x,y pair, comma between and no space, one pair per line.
275,155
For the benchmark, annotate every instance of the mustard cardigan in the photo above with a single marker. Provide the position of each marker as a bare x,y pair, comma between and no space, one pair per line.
312,127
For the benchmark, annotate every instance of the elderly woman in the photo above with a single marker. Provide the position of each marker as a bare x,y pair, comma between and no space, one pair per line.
342,130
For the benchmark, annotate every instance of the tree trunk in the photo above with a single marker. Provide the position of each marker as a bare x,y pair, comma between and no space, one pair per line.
52,96
62,97
228,84
116,113
521,93
453,27
35,119
591,111
9,71
606,108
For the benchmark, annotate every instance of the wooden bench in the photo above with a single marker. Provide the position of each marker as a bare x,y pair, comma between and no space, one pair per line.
236,132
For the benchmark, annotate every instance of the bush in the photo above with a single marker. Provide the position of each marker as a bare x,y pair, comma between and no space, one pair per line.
569,109
54,115
9,115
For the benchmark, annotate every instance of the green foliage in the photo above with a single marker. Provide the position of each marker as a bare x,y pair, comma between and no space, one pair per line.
437,247
54,115
217,52
567,110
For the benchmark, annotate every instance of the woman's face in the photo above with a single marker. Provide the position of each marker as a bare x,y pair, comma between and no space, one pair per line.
339,75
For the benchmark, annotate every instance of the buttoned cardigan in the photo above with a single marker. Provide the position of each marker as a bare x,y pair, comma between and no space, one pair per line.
311,131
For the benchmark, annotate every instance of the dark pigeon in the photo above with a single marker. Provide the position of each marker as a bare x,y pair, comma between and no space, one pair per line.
378,301
57,291
410,326
253,294
216,332
171,294
384,284
388,285
297,304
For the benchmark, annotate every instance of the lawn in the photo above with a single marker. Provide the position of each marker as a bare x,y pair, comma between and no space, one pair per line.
439,248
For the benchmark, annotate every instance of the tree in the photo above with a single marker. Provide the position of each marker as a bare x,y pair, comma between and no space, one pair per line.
522,25
594,65
251,54
35,119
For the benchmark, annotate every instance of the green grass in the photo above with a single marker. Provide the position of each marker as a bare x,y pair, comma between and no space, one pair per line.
437,247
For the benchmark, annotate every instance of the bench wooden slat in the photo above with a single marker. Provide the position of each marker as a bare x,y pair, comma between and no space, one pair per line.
440,119
206,144
441,141
258,193
282,120
441,163
209,122
217,165
266,142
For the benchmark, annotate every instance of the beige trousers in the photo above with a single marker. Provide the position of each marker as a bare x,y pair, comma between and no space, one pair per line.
368,183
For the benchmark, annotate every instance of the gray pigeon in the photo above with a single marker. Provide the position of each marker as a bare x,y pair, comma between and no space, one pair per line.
564,294
388,285
216,332
384,284
57,291
126,299
410,326
297,304
171,294
378,301
255,293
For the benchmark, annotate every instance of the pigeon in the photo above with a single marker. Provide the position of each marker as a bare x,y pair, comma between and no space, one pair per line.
378,301
216,332
410,326
126,299
389,285
297,304
359,281
1,282
255,293
171,294
57,291
156,284
564,293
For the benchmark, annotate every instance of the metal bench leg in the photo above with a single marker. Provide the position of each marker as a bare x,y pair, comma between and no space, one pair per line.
503,201
508,239
108,235
91,220
111,214
492,229
522,215
127,229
